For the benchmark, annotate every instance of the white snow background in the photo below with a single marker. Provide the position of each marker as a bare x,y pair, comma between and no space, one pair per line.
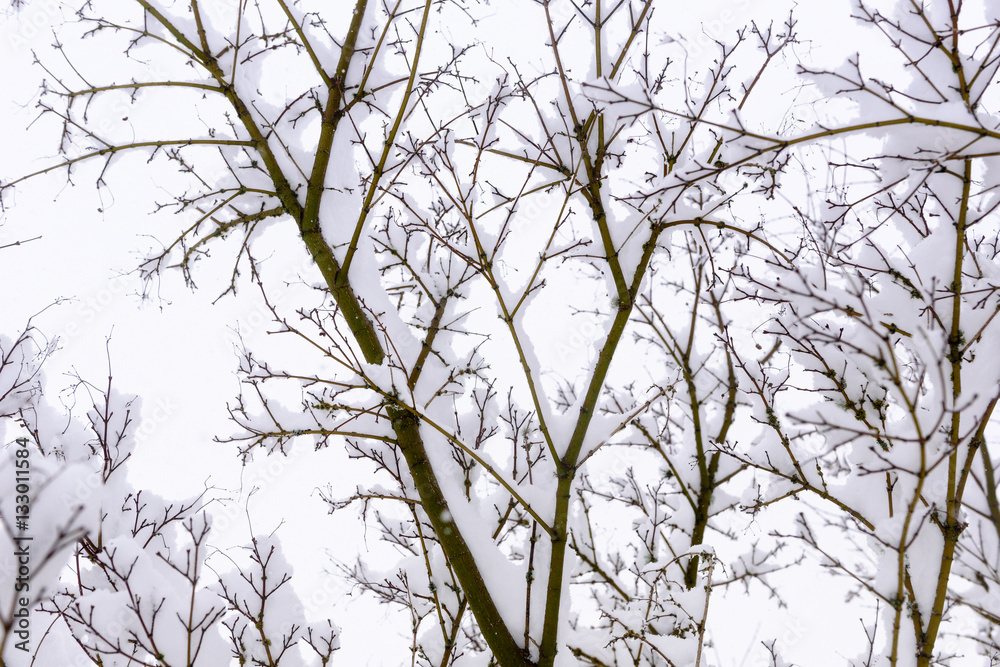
176,351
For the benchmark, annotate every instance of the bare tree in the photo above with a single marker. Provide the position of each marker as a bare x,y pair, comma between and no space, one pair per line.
599,279
881,396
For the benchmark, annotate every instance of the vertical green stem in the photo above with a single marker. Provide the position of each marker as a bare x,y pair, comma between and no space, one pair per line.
505,649
952,526
567,467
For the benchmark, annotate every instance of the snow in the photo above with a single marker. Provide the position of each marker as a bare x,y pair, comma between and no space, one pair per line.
859,387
